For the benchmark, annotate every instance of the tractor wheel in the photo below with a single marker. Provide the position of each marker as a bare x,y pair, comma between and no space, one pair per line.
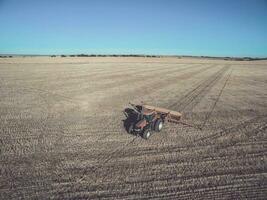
146,133
130,128
158,125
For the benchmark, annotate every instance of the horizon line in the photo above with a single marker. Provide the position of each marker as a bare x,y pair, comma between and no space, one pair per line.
132,55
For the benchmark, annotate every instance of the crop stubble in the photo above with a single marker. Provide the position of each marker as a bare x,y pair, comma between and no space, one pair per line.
72,143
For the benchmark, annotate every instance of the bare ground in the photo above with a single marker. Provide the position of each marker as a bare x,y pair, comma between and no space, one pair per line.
62,133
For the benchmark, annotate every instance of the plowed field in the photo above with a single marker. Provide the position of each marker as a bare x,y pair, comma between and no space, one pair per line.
62,133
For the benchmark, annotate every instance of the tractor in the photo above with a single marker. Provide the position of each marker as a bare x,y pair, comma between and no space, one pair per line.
149,119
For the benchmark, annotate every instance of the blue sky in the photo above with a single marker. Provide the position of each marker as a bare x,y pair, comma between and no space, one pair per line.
171,27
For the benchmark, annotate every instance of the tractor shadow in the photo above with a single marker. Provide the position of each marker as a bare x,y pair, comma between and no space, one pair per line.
131,117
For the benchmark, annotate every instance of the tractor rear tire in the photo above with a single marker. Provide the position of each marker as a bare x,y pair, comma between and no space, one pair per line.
158,125
146,133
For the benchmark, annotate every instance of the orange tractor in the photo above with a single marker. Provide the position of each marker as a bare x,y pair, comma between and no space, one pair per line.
150,118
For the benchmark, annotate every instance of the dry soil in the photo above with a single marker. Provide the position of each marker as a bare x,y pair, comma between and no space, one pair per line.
62,133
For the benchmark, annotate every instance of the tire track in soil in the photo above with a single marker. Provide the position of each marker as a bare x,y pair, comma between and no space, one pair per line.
194,96
216,101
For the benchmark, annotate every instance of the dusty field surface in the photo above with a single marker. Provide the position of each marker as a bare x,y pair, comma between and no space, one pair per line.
62,133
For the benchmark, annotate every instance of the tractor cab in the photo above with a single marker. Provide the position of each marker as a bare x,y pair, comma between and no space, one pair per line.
148,115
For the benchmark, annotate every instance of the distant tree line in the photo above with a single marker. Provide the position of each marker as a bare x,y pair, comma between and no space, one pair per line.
6,56
149,56
226,58
157,56
108,55
234,58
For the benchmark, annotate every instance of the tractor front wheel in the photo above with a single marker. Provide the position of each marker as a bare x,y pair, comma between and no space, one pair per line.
146,133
